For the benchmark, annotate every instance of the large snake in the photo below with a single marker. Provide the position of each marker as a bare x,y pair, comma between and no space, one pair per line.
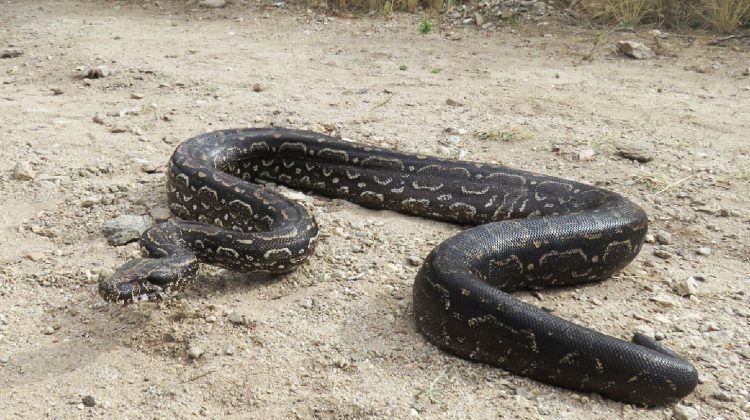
561,233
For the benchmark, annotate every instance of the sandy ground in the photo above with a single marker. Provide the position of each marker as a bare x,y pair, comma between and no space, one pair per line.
337,338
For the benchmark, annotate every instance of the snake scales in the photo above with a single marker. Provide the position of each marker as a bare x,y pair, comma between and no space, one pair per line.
530,231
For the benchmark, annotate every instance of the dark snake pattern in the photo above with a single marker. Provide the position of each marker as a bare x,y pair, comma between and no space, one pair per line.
531,231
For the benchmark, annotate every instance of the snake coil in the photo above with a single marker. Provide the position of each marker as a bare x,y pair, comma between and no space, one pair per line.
531,231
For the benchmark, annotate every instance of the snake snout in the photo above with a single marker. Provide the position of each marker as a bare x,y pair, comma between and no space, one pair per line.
145,278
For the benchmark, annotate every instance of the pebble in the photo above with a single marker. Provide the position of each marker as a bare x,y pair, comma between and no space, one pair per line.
96,72
649,238
10,53
57,90
414,260
586,154
213,4
119,127
23,171
257,87
160,214
99,117
454,140
4,359
746,72
150,167
664,238
635,50
48,330
665,301
684,412
126,228
687,287
453,102
229,351
88,401
90,201
236,318
211,319
640,151
662,254
194,351
136,95
703,251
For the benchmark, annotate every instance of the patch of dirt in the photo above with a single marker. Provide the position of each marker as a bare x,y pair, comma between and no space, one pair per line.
337,338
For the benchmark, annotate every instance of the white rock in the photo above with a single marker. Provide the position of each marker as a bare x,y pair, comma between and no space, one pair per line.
686,287
23,171
684,412
665,301
212,3
635,50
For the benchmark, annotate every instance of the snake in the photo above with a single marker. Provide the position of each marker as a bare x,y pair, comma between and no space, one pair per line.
524,231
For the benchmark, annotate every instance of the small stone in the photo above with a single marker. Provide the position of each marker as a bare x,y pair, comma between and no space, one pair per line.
150,167
10,53
23,171
746,406
586,154
649,238
414,260
478,19
704,251
96,72
453,102
257,87
662,254
639,151
687,287
454,140
212,4
746,72
136,95
48,330
4,359
119,127
211,319
684,412
57,90
195,352
88,401
160,214
635,50
35,256
229,351
90,201
126,228
236,318
664,238
665,301
99,117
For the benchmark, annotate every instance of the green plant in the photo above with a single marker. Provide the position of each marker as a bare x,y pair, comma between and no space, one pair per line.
426,26
402,67
388,9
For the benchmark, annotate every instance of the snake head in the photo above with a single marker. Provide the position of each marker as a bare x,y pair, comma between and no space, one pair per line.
148,278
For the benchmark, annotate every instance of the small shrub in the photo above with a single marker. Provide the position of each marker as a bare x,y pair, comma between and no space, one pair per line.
426,26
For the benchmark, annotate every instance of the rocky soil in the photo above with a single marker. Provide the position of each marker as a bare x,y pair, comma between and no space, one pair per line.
94,96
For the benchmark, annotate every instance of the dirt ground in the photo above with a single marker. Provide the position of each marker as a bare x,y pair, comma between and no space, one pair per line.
337,338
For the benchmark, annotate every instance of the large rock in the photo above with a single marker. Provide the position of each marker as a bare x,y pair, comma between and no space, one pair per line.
126,228
635,50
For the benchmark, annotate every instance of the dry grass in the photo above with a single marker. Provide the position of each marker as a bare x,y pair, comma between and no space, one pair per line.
716,15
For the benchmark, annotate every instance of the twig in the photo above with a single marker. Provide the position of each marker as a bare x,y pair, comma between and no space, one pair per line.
727,38
678,182
384,102
194,378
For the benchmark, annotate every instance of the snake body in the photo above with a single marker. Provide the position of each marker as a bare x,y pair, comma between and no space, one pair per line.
530,231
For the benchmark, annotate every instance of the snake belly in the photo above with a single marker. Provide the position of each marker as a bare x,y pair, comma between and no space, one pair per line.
530,231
